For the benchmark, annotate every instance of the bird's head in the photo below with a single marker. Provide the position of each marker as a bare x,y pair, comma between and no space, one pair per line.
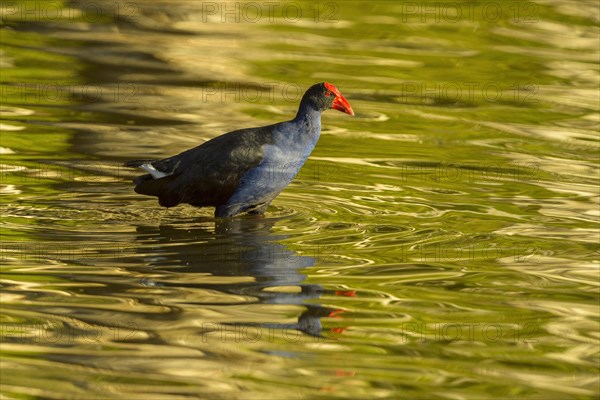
325,96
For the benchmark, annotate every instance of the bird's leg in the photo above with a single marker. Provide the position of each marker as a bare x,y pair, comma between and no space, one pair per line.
225,211
260,210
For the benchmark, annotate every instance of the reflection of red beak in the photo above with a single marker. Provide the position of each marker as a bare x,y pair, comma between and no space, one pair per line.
336,314
340,102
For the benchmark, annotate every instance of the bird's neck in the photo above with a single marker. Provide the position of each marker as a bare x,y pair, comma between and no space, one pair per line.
308,114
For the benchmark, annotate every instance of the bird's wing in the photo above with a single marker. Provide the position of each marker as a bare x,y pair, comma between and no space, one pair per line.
208,174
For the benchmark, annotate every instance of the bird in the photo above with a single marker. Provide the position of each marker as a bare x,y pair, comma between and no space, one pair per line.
244,170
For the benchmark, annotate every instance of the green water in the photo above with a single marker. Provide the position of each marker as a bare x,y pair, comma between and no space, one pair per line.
442,243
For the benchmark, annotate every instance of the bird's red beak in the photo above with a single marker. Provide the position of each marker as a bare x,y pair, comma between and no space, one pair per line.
340,102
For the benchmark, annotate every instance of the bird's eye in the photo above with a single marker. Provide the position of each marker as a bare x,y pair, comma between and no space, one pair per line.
328,94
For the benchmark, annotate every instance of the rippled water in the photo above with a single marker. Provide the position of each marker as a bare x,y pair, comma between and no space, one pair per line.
443,243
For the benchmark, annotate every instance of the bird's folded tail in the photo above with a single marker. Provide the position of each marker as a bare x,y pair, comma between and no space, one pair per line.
151,184
147,165
137,163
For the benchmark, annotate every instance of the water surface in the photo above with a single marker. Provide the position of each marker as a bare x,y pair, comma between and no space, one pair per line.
443,243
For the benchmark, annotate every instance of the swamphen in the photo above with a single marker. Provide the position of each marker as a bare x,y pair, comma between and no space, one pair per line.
243,170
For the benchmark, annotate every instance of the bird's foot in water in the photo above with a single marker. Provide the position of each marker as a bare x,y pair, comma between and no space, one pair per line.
259,211
257,215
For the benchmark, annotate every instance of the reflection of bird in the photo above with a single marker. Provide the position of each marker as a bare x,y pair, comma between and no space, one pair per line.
241,247
243,170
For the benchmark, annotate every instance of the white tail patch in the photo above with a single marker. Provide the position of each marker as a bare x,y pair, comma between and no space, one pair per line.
156,174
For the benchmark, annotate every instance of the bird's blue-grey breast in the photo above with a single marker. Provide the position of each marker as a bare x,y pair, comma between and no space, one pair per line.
293,142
